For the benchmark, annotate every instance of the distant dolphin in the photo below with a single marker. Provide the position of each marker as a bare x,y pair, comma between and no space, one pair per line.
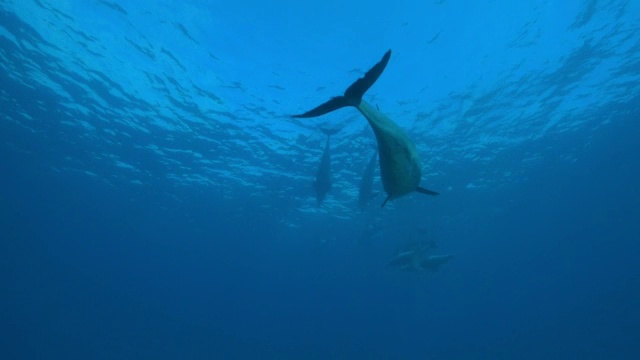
434,262
406,260
414,260
323,176
365,193
399,162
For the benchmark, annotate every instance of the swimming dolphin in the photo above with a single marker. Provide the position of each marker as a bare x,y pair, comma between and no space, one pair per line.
399,162
414,260
365,193
323,176
412,257
405,260
434,262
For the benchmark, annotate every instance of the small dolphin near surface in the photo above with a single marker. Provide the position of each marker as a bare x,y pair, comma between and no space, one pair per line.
323,176
400,168
365,192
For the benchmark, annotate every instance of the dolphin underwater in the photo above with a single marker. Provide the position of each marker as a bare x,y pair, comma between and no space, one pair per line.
434,262
400,168
365,192
406,260
323,176
414,260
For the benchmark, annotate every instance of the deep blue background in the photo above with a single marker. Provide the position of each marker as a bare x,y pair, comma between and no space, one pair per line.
90,271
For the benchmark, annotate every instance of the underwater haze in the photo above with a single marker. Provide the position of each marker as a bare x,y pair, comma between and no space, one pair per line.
157,198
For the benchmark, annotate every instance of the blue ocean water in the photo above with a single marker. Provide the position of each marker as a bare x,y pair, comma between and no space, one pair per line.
157,202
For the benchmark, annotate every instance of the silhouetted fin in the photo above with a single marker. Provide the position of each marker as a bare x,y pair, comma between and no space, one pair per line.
333,104
353,95
358,88
385,201
422,190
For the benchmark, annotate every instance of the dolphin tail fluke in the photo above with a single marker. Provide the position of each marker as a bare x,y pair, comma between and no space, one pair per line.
333,104
358,88
422,190
353,95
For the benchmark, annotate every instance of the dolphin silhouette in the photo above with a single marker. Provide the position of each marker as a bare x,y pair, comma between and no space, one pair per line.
434,262
413,258
323,176
400,168
365,192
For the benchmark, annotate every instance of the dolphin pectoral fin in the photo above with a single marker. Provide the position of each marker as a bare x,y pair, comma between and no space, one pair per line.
385,201
422,190
334,104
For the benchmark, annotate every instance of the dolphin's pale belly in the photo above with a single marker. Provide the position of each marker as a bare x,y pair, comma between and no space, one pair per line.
399,161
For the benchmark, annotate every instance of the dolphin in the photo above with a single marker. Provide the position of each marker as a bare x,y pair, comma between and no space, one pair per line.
323,176
406,260
365,192
414,260
400,168
434,262
412,257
